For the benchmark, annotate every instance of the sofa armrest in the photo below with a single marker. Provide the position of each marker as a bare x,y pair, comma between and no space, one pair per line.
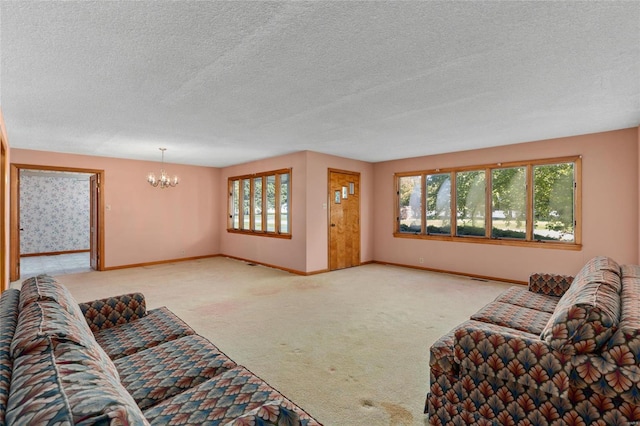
105,313
550,284
512,356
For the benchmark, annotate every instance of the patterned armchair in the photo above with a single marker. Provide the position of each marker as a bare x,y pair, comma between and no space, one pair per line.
564,351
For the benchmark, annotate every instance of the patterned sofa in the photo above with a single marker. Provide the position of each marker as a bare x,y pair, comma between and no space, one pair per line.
112,362
564,351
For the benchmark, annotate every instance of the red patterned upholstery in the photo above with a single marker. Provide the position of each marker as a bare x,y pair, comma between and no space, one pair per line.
512,316
521,296
549,284
582,369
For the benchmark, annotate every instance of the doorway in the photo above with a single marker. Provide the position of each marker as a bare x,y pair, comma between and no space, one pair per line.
344,219
94,259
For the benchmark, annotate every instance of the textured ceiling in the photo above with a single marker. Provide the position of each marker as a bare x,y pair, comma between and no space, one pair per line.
222,83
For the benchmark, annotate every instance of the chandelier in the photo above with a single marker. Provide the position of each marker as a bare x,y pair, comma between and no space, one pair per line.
164,181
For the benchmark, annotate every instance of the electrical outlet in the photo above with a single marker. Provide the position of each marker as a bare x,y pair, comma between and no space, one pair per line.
421,260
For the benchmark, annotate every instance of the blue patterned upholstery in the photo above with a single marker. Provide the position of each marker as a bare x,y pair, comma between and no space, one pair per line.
117,310
103,362
61,382
158,373
158,326
8,321
220,400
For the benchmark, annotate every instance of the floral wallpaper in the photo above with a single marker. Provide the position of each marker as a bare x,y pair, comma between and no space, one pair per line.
54,212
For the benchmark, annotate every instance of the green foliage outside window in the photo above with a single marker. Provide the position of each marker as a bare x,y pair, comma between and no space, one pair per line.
551,213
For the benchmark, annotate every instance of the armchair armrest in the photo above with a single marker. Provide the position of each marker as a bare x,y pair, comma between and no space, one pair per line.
105,313
607,378
550,284
512,356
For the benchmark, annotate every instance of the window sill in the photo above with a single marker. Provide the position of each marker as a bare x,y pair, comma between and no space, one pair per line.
259,234
494,241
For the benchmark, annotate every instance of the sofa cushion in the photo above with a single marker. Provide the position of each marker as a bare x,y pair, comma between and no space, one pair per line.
36,391
599,263
44,287
157,327
42,319
588,313
60,382
273,413
623,349
163,371
517,295
8,321
513,316
216,401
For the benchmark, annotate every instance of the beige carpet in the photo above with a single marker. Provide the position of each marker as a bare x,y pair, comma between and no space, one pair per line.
351,346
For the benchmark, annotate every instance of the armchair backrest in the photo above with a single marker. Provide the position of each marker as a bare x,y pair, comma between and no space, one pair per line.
587,315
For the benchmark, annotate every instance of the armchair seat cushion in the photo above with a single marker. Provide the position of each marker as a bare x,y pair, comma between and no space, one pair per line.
155,374
520,296
512,316
158,326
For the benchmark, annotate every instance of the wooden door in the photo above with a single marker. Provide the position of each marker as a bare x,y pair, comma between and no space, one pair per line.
94,191
344,219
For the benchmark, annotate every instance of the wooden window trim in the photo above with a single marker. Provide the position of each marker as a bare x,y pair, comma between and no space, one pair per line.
576,245
277,217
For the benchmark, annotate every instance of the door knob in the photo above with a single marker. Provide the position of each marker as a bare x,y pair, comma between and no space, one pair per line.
333,225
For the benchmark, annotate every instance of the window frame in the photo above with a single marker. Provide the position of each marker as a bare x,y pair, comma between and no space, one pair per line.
576,244
238,200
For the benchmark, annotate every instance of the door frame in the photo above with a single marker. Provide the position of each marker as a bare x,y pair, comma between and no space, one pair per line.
4,155
14,230
329,204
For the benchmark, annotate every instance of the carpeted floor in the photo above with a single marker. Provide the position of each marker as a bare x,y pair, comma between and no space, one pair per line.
350,346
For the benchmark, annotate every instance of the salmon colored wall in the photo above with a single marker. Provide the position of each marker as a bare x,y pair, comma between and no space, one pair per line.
146,224
284,253
317,213
609,209
307,250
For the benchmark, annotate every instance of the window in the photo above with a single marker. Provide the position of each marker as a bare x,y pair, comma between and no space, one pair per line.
439,204
553,202
259,204
519,203
470,203
509,203
410,204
